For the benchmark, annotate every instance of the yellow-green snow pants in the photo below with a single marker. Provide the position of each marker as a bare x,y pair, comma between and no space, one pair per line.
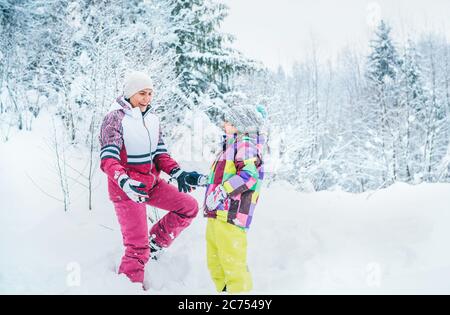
227,256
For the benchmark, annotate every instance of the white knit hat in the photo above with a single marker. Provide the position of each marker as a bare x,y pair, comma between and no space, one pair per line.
136,81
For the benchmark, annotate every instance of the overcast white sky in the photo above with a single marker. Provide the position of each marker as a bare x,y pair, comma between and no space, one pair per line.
277,32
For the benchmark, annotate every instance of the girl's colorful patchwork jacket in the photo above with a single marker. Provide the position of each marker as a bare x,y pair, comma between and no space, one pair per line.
239,168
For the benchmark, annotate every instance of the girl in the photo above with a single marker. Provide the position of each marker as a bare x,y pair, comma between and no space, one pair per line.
231,196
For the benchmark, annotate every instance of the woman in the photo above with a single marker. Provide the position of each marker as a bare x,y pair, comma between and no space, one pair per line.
133,154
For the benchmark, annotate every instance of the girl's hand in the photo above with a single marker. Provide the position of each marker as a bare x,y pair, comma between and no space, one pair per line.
216,197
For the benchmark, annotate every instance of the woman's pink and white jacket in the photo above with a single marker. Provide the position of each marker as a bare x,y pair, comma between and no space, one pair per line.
132,143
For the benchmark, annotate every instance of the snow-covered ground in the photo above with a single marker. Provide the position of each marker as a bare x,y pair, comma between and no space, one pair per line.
391,241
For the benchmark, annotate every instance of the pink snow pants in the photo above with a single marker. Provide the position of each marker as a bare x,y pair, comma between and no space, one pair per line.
133,223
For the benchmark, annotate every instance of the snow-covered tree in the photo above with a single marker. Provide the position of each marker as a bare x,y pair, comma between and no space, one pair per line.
413,106
205,63
359,122
382,96
433,49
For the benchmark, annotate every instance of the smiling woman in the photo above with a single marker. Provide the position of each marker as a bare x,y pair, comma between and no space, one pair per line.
142,99
138,90
133,154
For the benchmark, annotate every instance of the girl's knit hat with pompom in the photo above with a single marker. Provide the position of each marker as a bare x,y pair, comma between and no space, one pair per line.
247,118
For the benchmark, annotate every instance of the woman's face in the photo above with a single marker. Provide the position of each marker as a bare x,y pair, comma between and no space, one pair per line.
229,128
142,99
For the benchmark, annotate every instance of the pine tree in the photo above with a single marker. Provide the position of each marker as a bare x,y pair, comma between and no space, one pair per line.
382,75
205,63
383,61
